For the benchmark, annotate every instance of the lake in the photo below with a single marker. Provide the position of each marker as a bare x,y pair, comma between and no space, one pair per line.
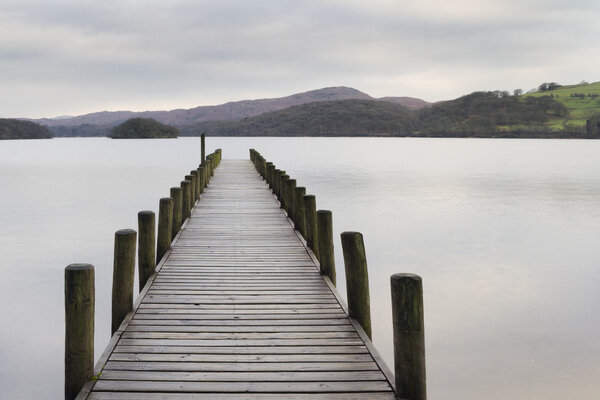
505,234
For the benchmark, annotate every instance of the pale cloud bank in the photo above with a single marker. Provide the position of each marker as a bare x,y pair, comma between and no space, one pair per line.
72,57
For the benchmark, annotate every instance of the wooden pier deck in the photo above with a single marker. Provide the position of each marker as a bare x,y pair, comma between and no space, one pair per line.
238,310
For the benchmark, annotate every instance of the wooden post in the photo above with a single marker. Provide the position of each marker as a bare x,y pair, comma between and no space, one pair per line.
79,327
165,227
146,246
290,191
310,212
282,189
185,200
409,336
123,273
192,189
269,169
202,177
300,220
357,279
202,148
176,195
194,174
276,175
325,237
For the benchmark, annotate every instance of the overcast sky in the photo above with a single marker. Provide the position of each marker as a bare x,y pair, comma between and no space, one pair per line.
72,57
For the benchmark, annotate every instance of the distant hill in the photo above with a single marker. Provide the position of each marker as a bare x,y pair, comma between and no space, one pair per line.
326,118
17,129
227,111
143,128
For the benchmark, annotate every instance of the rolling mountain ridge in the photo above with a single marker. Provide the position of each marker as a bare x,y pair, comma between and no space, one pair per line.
229,111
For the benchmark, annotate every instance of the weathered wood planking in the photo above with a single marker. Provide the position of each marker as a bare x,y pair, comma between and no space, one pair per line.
239,310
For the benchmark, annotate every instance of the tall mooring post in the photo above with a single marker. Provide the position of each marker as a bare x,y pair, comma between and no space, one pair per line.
357,279
123,275
79,327
409,336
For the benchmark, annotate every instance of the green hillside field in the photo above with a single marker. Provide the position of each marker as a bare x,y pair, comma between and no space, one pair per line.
582,102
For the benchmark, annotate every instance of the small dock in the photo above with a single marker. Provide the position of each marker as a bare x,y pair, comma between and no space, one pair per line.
239,310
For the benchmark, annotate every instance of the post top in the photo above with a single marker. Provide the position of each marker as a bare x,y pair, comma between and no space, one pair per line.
350,233
125,232
323,211
176,188
164,199
146,212
79,267
405,276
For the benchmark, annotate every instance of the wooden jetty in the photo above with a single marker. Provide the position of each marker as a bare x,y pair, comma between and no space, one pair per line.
237,307
239,310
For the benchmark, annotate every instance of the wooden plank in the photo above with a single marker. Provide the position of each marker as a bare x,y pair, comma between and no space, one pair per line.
241,396
243,358
241,387
261,350
231,376
241,342
242,367
238,328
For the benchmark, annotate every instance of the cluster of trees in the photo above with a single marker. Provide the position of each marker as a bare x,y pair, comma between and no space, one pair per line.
143,128
583,95
17,129
547,86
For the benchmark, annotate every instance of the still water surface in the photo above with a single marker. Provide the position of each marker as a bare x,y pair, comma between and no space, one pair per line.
505,234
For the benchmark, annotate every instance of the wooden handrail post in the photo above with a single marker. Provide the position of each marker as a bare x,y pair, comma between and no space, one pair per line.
276,177
202,148
283,189
290,201
299,216
325,237
165,227
185,200
194,174
146,246
202,177
177,196
79,327
357,279
409,336
310,211
269,173
192,181
123,275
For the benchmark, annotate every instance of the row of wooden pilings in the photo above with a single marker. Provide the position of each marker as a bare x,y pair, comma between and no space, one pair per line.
406,289
151,247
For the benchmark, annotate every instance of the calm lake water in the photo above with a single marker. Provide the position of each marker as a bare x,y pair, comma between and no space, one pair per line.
505,234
